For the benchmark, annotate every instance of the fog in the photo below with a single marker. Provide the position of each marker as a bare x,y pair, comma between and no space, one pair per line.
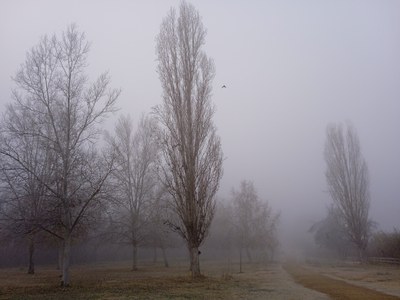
290,68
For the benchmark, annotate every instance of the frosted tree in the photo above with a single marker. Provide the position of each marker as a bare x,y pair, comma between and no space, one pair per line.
348,183
53,91
135,176
192,155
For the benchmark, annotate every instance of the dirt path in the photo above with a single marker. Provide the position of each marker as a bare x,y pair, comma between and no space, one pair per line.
381,278
337,289
273,283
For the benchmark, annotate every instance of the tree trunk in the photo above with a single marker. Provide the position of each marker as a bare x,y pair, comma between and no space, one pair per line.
240,260
60,255
134,257
272,254
31,267
248,255
66,256
164,253
154,254
361,253
195,262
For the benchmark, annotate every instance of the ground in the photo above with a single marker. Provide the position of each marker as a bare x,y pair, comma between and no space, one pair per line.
349,281
221,281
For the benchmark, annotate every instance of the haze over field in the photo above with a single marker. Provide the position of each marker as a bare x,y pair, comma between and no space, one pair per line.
289,67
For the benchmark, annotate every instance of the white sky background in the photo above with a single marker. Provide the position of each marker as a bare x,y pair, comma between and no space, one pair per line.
290,68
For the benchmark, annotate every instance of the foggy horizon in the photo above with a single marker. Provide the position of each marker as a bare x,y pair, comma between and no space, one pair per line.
290,69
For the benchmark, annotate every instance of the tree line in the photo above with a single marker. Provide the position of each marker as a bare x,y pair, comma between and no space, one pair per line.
59,182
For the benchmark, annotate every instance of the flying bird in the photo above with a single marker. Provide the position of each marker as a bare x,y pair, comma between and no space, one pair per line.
223,87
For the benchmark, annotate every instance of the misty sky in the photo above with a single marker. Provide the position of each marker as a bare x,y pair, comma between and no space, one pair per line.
290,67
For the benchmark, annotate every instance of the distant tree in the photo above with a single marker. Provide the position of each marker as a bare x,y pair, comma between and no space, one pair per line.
135,176
53,91
24,202
267,226
253,221
348,183
385,244
331,234
191,149
222,231
159,234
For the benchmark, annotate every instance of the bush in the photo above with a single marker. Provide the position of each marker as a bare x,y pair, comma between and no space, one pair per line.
385,244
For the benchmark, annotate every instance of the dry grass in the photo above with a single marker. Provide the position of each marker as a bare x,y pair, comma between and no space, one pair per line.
108,282
325,281
221,281
117,281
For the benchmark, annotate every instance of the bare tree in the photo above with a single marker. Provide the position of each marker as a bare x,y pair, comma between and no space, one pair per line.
53,90
385,244
254,222
24,208
159,234
331,234
191,148
136,180
222,236
348,183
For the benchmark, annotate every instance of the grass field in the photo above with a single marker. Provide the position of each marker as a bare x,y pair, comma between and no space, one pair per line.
221,281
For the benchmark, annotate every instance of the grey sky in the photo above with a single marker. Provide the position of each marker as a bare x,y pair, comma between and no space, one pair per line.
290,68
